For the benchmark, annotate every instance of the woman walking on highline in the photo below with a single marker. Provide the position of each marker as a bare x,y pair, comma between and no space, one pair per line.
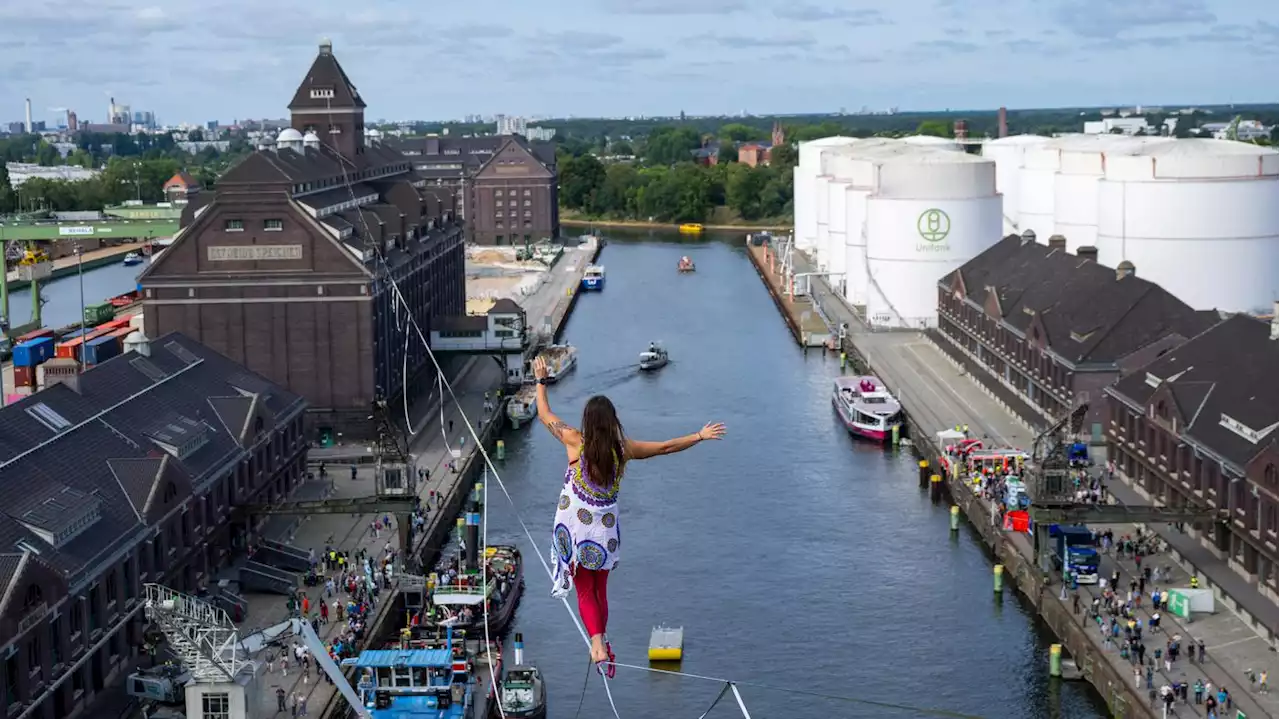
586,538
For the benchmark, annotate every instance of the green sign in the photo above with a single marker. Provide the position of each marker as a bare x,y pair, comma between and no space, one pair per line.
933,225
1179,604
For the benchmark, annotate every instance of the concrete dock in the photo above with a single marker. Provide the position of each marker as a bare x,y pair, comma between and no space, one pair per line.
552,302
938,393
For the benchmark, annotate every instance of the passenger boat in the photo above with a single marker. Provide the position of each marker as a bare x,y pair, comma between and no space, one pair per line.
593,278
521,692
560,359
866,407
133,258
411,681
502,592
654,358
523,407
691,228
686,265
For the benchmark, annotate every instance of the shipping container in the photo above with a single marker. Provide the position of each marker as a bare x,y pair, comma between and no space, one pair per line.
99,313
100,349
117,323
35,335
24,376
33,352
76,333
70,348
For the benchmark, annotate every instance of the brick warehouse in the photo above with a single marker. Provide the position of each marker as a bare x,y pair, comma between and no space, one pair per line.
123,475
283,268
1056,328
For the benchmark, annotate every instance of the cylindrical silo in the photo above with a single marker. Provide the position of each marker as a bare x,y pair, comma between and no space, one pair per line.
1081,164
1036,186
1007,153
1200,218
805,191
937,143
931,212
861,169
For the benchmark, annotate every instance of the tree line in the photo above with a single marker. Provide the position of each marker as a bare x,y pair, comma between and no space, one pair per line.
131,167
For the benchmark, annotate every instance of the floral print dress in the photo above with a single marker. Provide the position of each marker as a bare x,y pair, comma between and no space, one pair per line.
586,527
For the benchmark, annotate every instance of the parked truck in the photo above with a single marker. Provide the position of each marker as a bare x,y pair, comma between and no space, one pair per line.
1075,553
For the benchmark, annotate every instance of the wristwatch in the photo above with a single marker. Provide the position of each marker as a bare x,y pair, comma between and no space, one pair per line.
542,380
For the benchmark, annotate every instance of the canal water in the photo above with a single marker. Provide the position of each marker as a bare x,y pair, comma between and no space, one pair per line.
791,554
62,296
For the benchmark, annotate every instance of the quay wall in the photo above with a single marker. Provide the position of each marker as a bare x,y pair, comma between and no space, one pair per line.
427,545
1013,551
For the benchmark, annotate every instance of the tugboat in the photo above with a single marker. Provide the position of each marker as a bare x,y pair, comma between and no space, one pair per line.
560,359
521,694
593,278
409,680
654,358
686,265
133,258
524,406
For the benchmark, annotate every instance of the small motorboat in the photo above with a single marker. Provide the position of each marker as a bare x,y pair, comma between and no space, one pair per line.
133,258
524,406
691,228
686,265
654,358
560,359
521,693
593,278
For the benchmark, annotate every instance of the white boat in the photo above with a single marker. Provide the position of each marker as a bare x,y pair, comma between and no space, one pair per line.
866,407
523,407
654,358
686,265
593,278
560,359
133,258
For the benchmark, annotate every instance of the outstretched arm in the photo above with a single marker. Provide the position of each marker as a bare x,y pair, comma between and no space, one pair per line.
567,435
637,449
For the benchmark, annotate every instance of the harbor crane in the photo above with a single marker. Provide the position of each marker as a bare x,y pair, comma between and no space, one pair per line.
1052,491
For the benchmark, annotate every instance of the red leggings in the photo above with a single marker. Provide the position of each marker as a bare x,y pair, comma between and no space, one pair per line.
593,598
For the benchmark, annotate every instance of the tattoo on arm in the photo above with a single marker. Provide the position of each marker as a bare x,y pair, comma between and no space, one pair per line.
558,428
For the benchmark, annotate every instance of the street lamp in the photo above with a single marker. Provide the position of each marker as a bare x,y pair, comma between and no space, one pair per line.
80,273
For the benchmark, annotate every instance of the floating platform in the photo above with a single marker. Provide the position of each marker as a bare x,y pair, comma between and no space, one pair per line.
666,644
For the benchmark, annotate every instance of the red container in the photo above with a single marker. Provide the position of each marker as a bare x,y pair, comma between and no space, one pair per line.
34,335
24,376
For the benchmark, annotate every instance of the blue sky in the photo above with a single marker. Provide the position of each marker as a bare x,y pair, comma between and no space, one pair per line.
195,60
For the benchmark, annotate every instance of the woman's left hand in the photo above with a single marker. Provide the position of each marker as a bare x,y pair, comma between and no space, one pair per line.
712,430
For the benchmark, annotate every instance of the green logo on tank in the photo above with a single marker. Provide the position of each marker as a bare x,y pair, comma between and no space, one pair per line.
933,225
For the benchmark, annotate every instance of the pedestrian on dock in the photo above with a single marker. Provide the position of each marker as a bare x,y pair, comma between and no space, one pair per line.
586,529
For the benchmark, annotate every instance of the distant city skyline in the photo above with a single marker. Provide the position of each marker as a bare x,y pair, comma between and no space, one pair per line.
617,58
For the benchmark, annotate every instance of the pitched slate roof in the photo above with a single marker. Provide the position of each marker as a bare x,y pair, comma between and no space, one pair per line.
97,444
325,75
1233,369
434,156
1089,315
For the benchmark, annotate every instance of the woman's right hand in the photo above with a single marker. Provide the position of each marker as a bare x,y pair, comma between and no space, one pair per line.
540,368
712,430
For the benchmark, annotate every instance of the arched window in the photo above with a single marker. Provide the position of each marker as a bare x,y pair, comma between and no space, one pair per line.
33,597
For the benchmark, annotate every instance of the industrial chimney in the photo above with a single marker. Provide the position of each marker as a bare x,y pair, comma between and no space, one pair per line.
29,125
1003,120
960,129
1087,252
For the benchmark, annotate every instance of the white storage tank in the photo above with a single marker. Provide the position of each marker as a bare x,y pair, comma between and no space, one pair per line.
804,190
932,211
1081,165
937,143
1008,153
861,169
1038,179
837,238
1200,218
825,248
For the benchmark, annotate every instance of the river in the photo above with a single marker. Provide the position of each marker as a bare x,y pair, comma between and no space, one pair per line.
62,296
791,554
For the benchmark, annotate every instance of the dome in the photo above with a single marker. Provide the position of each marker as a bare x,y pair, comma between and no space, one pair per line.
288,135
310,137
135,336
373,132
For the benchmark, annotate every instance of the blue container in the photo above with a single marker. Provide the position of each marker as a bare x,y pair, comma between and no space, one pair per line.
101,349
76,333
33,352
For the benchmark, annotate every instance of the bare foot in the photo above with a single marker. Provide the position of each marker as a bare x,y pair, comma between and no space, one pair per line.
598,652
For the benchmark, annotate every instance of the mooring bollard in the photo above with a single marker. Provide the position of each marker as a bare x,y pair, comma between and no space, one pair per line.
955,518
897,434
844,359
1055,660
924,472
935,486
502,449
999,577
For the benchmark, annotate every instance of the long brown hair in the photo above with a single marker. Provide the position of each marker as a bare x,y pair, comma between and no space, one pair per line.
602,441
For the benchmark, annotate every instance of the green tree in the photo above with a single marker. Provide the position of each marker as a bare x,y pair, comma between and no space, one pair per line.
742,190
738,132
728,152
617,194
6,191
580,177
934,128
784,156
669,145
622,147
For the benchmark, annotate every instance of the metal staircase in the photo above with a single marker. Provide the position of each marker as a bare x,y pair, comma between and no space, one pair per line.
200,635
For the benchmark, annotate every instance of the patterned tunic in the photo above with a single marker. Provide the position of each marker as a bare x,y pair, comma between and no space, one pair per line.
586,527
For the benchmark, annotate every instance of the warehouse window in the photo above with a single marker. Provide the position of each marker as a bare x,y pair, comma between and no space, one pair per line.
215,706
273,225
235,226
